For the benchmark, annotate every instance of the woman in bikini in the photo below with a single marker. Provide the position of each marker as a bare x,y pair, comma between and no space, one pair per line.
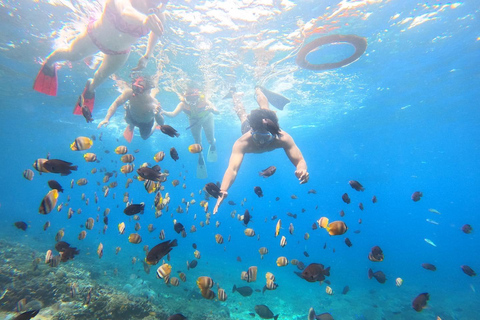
121,24
199,112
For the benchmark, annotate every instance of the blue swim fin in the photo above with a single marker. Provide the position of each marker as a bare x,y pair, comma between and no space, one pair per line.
275,99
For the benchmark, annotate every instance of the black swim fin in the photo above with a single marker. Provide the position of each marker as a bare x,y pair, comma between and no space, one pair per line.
275,99
230,93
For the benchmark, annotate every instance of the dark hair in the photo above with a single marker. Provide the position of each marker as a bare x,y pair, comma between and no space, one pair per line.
256,116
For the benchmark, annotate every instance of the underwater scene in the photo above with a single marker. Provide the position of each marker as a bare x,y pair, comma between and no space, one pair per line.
238,159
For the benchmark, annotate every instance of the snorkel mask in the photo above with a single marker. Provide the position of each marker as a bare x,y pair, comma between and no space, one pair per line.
262,138
193,96
140,85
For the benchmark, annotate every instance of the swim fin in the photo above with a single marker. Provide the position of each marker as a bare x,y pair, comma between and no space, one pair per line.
46,81
201,171
230,93
86,98
275,99
201,168
128,133
212,154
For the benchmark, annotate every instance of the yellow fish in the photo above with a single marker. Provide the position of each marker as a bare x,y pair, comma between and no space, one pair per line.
81,143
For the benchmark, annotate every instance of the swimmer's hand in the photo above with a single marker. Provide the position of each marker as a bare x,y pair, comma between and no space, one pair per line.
221,197
302,176
153,23
212,110
142,63
103,123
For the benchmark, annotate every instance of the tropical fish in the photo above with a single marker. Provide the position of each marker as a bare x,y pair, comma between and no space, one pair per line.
244,291
264,312
334,228
356,185
346,198
27,315
429,266
282,261
153,173
121,150
38,165
467,228
90,157
49,202
278,227
314,272
267,172
28,174
134,238
212,189
163,272
258,191
169,131
81,143
59,166
159,251
195,148
174,154
375,254
55,185
159,156
21,225
468,271
379,276
133,209
430,242
420,302
127,158
416,196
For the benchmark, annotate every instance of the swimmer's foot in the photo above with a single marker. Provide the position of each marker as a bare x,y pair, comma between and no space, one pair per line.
46,81
275,99
87,99
230,93
212,154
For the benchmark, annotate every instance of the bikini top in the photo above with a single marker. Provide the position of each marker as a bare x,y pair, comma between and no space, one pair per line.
121,25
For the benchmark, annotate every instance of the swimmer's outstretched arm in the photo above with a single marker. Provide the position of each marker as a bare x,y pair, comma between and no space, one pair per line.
296,157
121,99
175,112
236,159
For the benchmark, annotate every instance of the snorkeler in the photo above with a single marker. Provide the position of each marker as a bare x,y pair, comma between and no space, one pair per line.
142,109
121,24
199,112
261,133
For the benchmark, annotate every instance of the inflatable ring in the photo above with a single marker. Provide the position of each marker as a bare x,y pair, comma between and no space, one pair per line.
359,43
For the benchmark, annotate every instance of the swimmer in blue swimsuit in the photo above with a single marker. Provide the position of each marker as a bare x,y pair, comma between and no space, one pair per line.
120,26
260,133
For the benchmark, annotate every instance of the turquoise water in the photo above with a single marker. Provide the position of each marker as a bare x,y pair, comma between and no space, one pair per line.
402,118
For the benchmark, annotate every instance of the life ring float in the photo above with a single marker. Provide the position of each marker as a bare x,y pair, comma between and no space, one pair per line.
359,43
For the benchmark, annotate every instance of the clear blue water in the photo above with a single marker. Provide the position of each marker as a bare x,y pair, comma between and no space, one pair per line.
402,118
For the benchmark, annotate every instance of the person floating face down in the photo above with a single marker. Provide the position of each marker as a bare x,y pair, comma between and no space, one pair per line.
121,24
200,115
261,133
142,109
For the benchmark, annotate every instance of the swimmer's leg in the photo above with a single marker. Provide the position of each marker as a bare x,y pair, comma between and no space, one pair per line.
109,65
209,128
46,81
